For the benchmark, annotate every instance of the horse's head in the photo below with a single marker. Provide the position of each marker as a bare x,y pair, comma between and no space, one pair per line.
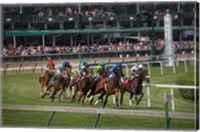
106,72
145,76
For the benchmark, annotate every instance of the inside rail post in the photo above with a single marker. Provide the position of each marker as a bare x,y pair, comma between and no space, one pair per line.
149,70
127,73
185,64
174,68
161,68
167,119
5,71
148,97
49,119
95,61
114,99
96,120
172,99
34,67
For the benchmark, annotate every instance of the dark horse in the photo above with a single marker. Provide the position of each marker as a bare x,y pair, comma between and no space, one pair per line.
45,81
61,84
134,86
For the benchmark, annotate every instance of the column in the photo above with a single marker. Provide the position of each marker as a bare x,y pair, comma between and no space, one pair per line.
29,25
104,24
71,40
92,39
43,40
54,41
179,7
118,24
131,23
61,25
45,26
138,8
14,41
88,39
12,26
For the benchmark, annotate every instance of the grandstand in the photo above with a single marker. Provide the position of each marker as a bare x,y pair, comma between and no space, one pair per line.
87,27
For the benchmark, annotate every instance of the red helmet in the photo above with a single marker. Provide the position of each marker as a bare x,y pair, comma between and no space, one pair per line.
51,62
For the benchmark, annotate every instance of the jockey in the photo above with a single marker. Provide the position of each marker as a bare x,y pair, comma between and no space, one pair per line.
98,72
83,69
135,70
115,69
50,67
64,70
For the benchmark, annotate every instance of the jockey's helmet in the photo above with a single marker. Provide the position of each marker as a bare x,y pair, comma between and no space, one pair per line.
119,64
85,63
140,66
102,63
51,62
66,63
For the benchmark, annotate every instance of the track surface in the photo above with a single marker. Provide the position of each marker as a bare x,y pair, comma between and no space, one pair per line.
152,113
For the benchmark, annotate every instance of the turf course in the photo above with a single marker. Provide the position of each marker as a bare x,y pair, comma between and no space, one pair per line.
25,89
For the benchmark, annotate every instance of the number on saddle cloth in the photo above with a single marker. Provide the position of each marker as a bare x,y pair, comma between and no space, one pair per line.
127,81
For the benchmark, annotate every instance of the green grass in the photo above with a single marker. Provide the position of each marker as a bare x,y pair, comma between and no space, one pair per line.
25,89
71,120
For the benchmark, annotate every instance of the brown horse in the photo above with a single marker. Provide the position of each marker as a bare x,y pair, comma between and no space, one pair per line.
134,86
61,84
44,80
82,87
109,86
91,93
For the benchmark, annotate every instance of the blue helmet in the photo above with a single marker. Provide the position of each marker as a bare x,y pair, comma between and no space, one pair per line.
114,69
66,63
119,64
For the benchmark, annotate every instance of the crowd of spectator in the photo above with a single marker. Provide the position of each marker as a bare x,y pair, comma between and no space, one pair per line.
96,48
97,9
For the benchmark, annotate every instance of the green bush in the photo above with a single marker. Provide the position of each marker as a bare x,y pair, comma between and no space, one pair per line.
187,79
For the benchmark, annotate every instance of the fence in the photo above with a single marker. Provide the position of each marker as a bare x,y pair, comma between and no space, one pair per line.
53,109
142,60
127,53
171,91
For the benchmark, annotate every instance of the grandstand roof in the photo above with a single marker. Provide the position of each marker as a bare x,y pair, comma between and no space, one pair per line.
71,31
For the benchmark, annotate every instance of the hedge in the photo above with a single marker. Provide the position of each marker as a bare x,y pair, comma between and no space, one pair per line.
188,79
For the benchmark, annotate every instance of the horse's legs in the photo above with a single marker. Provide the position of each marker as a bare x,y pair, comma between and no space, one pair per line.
53,95
136,99
142,94
105,102
60,96
122,96
100,97
116,98
80,96
130,99
75,92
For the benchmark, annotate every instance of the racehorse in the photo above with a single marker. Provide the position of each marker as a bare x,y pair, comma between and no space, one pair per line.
45,81
109,86
61,84
82,87
91,93
130,86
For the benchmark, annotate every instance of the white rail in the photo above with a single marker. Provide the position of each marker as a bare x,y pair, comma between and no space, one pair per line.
171,91
146,113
